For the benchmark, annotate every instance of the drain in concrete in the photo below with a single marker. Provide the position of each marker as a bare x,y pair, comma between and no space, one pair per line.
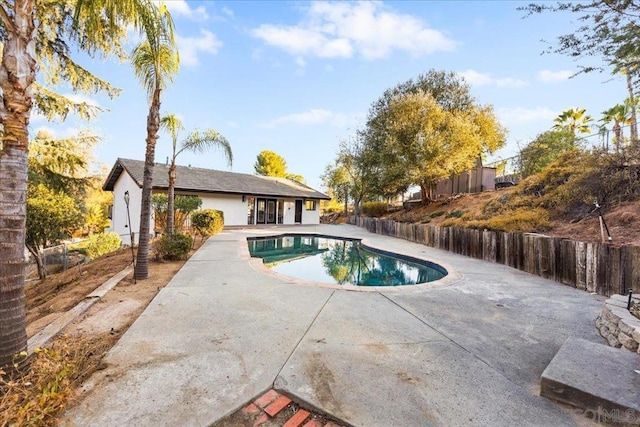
274,409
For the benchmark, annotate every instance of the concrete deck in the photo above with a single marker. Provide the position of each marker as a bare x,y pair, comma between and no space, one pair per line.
467,350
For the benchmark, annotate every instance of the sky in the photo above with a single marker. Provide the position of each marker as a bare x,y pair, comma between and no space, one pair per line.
299,77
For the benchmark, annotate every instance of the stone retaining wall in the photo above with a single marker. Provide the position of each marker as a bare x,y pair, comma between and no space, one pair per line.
619,327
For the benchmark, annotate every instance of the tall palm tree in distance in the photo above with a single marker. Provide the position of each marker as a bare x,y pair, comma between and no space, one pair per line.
620,115
155,62
196,142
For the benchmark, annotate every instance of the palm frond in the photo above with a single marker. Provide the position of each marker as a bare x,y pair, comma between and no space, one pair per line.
200,142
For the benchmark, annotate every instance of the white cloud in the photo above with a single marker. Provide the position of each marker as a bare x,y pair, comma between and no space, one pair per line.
476,78
548,76
182,8
524,115
80,98
228,12
510,82
190,46
313,116
232,124
344,29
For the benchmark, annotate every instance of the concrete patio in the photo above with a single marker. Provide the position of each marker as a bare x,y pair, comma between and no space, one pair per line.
466,350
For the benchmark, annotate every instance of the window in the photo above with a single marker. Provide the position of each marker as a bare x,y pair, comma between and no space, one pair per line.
310,205
280,211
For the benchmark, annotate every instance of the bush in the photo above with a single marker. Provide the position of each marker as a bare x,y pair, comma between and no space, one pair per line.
103,243
374,209
454,214
172,246
208,221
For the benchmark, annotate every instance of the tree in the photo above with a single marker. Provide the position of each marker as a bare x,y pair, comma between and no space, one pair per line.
544,150
449,91
155,62
432,143
269,163
618,114
196,142
184,206
576,120
39,31
609,31
336,180
51,217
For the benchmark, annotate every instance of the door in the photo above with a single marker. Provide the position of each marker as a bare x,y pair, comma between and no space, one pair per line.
298,216
266,211
271,211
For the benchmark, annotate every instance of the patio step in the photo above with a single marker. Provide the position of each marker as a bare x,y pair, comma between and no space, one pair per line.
602,380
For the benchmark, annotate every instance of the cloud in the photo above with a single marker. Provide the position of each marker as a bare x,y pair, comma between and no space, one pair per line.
228,12
524,115
548,76
314,116
182,8
475,78
79,98
344,29
190,46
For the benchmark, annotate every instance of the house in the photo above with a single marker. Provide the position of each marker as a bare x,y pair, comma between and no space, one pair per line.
246,200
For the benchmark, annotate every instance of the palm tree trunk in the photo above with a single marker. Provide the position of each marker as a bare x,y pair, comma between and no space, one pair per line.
634,122
17,73
153,125
170,198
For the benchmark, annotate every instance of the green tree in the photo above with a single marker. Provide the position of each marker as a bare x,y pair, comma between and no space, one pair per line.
543,150
610,33
184,206
51,217
336,181
196,142
450,93
36,32
269,163
619,114
155,62
575,120
432,143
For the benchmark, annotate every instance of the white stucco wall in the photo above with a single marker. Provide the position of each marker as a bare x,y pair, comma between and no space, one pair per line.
235,210
119,222
311,217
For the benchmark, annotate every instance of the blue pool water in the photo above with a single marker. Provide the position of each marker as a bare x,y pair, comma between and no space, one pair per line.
340,261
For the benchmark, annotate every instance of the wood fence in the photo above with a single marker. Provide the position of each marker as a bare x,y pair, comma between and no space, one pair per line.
593,267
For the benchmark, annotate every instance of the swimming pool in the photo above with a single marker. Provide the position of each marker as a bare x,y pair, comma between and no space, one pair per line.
340,261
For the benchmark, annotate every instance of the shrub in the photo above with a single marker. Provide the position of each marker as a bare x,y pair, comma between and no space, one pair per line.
103,243
436,214
374,209
172,246
208,221
455,214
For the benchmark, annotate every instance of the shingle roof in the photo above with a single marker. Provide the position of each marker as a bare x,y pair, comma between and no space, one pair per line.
212,181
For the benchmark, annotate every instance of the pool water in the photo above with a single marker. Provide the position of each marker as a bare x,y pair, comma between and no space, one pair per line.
340,261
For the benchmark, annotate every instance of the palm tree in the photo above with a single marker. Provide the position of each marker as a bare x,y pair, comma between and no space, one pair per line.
97,24
155,62
574,119
618,114
197,142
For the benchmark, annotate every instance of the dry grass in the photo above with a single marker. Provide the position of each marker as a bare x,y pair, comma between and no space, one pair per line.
36,395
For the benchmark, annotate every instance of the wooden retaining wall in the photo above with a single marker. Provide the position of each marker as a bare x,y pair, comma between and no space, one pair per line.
593,267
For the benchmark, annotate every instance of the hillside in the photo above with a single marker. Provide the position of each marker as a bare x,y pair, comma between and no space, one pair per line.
623,219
